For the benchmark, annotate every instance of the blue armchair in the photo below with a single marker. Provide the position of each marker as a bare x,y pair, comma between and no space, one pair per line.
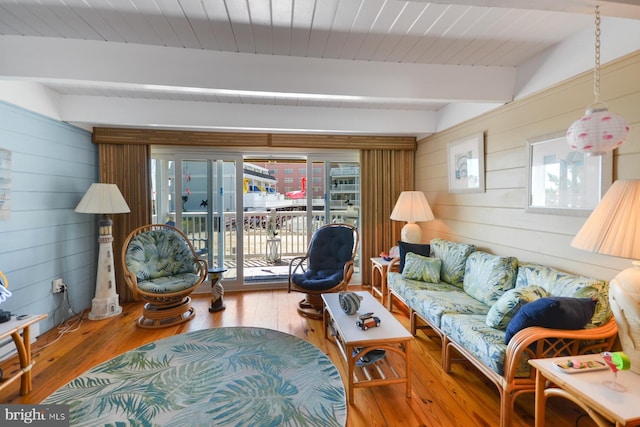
162,268
326,267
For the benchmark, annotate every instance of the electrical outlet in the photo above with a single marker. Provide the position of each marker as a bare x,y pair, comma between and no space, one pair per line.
57,286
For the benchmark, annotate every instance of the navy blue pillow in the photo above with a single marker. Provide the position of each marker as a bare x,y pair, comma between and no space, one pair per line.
552,312
416,248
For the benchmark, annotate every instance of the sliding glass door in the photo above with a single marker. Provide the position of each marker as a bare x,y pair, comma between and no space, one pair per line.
252,214
199,197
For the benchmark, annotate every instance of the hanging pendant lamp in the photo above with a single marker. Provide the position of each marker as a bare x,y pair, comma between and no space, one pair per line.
599,130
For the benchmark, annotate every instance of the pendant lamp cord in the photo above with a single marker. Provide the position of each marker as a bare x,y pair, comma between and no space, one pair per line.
596,69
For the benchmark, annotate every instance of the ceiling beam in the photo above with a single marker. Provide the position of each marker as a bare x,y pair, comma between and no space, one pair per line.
185,115
48,59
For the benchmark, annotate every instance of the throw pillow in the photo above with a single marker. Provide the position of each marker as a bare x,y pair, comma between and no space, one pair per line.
552,312
416,248
501,313
454,257
418,267
487,276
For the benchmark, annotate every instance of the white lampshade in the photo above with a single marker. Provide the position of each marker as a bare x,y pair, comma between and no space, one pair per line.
412,206
613,228
103,199
597,132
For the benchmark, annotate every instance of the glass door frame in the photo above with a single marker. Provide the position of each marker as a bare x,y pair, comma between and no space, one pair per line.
181,154
178,154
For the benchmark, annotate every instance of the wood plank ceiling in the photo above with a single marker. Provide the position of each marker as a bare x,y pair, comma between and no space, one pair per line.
461,37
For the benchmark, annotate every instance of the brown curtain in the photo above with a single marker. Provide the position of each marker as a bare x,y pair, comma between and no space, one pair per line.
384,174
127,166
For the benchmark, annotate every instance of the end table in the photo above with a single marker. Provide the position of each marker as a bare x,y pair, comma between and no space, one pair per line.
601,404
217,291
379,267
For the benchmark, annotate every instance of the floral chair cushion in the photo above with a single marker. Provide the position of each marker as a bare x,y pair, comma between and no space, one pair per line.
169,284
501,313
162,261
453,257
418,267
487,276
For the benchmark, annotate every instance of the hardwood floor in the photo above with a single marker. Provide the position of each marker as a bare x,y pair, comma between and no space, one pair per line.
461,398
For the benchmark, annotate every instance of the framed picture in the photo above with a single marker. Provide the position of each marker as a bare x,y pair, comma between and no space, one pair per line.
563,181
466,164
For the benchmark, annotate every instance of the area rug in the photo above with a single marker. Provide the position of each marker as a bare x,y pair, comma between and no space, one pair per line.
235,376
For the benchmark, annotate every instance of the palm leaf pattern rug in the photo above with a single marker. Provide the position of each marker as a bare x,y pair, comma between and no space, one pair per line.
233,376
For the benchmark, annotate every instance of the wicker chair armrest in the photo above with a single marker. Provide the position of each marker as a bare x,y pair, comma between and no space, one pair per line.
203,267
347,272
539,343
132,281
296,263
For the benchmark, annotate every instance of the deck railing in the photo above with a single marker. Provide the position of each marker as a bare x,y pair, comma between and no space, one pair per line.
290,228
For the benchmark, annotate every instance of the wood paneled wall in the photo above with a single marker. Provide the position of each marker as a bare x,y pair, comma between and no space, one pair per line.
42,239
496,220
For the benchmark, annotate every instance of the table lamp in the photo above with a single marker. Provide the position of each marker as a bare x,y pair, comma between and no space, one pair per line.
613,228
412,206
104,199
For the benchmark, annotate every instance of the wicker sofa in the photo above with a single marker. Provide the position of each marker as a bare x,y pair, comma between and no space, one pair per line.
473,300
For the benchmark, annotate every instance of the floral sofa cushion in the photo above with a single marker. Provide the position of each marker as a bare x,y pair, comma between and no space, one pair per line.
484,342
454,257
487,276
403,287
433,304
560,284
501,313
417,248
418,267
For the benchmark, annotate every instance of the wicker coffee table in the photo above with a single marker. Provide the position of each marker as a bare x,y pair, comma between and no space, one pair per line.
366,367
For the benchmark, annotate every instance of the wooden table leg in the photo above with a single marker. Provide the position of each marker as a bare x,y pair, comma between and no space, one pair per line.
407,349
350,372
325,322
23,345
540,400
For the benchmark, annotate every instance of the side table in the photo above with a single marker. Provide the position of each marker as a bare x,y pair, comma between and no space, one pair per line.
217,291
23,345
585,389
379,268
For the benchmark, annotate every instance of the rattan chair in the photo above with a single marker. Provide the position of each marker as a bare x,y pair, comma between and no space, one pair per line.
162,268
327,266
